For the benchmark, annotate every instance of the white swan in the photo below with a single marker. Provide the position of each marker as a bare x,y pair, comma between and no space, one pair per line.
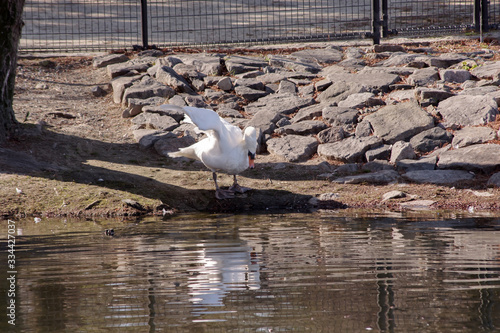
226,148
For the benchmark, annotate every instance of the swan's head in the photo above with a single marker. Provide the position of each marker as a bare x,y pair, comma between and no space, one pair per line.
250,136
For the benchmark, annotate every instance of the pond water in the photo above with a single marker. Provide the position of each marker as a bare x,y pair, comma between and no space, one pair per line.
258,273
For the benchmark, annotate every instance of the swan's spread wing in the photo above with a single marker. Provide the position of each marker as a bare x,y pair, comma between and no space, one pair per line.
208,121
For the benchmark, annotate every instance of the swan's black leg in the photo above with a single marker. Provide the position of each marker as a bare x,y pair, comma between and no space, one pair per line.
221,194
237,188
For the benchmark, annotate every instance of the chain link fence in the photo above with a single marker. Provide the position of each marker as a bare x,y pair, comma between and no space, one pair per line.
102,25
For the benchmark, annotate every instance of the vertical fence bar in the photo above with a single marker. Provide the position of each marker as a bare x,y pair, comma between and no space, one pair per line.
484,14
385,19
144,23
376,21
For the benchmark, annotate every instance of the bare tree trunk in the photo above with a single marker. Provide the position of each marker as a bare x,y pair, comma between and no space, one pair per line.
10,33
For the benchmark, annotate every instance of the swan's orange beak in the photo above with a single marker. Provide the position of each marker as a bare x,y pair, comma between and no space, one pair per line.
251,159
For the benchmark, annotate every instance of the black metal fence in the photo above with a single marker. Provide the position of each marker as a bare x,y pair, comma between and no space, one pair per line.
100,25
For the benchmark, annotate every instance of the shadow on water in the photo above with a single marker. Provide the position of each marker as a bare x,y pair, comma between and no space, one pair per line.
259,273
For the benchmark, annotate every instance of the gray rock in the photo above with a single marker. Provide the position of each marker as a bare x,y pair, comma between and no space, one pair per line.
97,91
340,116
454,75
417,204
306,127
402,150
287,87
308,113
445,60
198,84
399,122
489,70
468,136
494,180
188,71
430,139
431,96
361,100
241,64
378,48
377,165
363,129
279,103
331,134
463,110
265,120
354,52
352,149
293,148
108,59
249,94
400,59
322,85
146,137
225,83
196,101
125,68
250,83
393,195
380,153
168,76
398,96
177,115
146,88
171,143
352,64
379,177
206,64
425,163
119,84
424,76
298,65
155,121
136,105
323,56
338,91
371,80
229,113
484,158
440,177
177,100
479,91
346,169
284,121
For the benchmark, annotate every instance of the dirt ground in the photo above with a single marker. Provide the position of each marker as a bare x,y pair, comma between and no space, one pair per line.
79,158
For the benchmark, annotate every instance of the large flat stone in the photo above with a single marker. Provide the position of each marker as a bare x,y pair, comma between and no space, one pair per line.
399,122
352,149
379,177
461,110
468,136
293,148
484,158
440,177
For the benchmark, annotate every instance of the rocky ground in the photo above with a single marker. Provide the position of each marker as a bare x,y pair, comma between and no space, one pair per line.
400,127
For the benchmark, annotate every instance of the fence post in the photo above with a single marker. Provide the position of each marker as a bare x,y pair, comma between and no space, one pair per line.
376,21
144,23
481,15
385,19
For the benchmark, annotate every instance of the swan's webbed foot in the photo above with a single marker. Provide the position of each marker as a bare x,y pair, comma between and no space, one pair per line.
223,194
239,189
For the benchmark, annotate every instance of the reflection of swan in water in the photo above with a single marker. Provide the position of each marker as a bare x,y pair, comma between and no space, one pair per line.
221,270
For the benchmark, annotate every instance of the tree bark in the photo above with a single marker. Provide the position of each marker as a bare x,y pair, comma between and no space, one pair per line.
11,24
